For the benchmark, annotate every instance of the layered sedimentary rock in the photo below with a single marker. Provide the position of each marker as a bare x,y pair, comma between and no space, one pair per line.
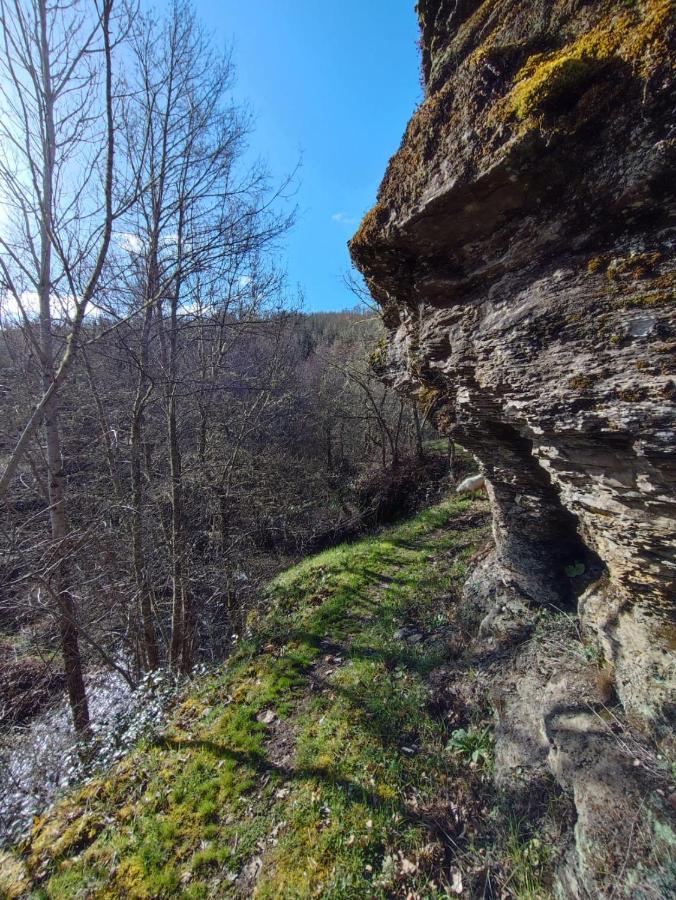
522,252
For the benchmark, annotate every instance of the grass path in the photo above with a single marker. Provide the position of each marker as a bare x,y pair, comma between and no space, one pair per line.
316,763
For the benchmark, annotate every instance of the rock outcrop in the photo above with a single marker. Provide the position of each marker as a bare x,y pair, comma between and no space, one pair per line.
521,250
522,254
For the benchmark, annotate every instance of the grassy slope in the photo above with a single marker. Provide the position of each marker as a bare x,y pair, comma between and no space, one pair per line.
335,795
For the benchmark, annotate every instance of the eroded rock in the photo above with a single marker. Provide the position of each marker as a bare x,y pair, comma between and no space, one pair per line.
522,252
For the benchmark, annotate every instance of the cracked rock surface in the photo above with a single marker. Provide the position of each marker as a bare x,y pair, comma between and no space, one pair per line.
522,252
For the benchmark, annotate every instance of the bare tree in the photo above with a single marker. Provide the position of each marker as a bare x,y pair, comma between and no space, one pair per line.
198,223
56,184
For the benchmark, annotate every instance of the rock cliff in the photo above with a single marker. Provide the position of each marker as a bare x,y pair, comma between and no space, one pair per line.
522,253
521,249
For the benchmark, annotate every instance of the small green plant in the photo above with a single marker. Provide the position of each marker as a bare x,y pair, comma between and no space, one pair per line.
528,858
594,654
575,569
473,745
378,357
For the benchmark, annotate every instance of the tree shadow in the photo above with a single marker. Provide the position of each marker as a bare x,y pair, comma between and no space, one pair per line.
353,789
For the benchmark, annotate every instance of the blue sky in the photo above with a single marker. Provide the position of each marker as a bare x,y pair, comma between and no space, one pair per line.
334,83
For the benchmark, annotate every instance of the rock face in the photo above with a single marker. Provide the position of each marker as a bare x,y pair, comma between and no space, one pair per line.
521,250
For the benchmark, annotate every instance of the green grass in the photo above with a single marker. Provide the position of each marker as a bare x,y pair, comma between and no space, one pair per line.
336,796
528,857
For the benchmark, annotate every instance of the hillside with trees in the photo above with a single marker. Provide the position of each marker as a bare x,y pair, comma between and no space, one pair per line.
175,429
259,634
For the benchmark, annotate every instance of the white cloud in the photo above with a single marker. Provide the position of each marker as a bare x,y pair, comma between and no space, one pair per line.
131,243
62,307
342,219
9,308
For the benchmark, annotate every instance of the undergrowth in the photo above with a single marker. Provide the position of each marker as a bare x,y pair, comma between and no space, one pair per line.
312,765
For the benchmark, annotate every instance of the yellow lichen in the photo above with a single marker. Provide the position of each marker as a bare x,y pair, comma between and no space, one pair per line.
635,37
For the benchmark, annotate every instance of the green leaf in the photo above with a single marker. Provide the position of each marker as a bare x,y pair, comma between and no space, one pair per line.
575,569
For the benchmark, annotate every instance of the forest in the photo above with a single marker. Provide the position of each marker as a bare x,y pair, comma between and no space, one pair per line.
175,429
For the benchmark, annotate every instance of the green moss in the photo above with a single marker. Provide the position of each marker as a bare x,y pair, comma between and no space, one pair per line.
597,264
554,81
427,397
185,816
636,36
369,228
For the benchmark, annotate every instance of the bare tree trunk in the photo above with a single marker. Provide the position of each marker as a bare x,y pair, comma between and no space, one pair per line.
329,447
224,519
397,435
419,449
55,481
72,660
202,434
181,618
104,425
182,613
149,640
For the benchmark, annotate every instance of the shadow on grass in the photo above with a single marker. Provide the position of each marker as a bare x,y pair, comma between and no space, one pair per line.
429,818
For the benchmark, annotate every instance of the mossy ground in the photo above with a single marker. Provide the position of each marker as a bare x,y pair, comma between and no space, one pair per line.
199,812
316,763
